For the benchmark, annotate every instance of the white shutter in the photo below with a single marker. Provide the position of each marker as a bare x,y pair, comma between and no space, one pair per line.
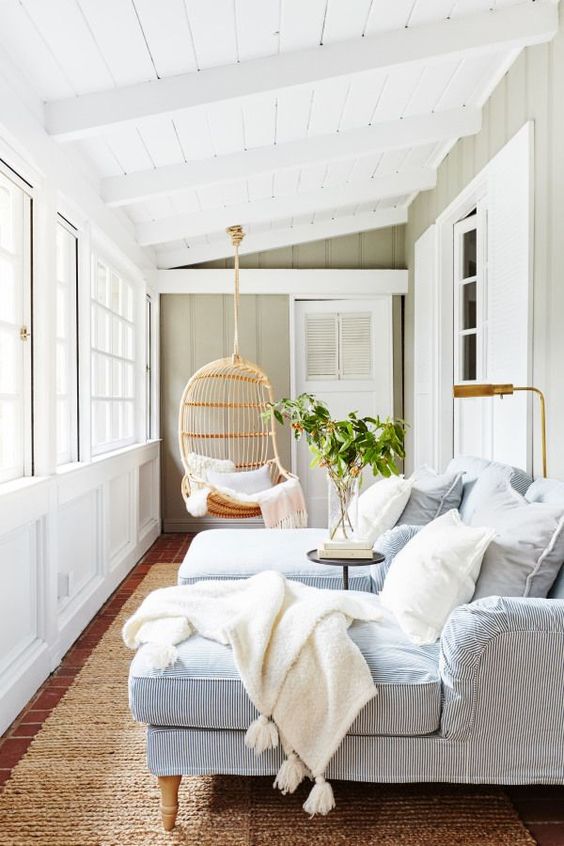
508,356
356,345
321,336
424,350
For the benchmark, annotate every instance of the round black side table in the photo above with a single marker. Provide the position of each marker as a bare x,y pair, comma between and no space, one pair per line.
345,563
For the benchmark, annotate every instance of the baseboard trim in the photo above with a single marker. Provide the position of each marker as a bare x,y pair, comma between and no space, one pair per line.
201,523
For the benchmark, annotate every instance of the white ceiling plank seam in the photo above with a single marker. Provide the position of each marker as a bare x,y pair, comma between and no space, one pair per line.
498,29
271,239
326,199
342,146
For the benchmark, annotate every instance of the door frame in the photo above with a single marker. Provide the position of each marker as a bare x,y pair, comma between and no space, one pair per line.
295,298
473,195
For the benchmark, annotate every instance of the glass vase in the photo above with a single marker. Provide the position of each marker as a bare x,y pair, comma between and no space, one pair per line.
342,507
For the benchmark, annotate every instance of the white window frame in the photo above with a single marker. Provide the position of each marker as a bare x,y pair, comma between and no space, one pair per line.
473,222
149,372
132,322
23,466
72,353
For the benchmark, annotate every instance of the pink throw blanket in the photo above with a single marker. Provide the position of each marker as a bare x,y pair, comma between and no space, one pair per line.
283,506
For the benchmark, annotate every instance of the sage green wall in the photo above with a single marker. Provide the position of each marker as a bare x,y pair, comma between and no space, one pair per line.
533,89
197,328
377,250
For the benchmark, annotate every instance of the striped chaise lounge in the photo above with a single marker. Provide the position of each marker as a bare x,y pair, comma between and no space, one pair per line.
483,705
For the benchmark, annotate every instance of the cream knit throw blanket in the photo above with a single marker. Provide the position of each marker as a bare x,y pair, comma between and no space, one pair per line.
301,670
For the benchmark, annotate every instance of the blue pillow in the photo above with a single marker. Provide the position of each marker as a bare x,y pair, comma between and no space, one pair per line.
432,495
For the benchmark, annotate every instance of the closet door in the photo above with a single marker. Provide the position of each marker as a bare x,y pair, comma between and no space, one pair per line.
343,355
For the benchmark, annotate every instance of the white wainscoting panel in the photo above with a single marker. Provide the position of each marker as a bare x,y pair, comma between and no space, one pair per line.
19,623
79,560
66,542
149,497
119,517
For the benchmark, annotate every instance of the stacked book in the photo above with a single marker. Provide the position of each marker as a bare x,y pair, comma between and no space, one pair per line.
345,549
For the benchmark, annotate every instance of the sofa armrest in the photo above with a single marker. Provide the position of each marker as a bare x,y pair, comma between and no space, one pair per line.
502,669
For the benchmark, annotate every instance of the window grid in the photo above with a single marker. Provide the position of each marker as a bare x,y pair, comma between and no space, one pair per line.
468,299
15,321
148,367
113,360
66,343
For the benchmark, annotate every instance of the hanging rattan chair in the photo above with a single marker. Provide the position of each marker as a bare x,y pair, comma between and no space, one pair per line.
221,418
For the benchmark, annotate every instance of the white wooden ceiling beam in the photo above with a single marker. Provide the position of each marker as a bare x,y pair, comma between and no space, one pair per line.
338,146
302,283
290,236
501,28
216,220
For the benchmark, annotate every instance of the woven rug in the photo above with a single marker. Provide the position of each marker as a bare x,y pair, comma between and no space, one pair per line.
84,782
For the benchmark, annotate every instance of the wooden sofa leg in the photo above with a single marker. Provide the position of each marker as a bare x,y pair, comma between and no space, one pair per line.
169,799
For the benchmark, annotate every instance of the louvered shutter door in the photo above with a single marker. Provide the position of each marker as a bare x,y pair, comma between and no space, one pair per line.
321,335
356,345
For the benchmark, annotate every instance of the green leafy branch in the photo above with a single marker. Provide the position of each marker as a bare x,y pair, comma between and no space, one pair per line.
343,447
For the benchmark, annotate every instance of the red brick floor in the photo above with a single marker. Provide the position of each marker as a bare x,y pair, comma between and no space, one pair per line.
541,807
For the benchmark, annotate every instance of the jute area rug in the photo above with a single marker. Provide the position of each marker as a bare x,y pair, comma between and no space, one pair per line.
84,782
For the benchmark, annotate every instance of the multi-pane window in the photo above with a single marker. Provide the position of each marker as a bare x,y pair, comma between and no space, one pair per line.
468,294
148,367
66,343
113,359
15,329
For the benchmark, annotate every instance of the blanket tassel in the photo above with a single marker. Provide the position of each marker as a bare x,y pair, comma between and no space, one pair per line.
262,734
321,799
291,773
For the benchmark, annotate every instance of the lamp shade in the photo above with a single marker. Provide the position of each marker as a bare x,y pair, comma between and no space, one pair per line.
480,390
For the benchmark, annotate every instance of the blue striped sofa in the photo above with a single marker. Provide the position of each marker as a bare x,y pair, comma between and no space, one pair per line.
484,705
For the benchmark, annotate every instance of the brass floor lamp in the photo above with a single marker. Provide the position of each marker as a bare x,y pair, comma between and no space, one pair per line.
485,390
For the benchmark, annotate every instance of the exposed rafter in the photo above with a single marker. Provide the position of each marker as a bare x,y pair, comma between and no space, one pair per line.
396,134
215,220
274,238
501,28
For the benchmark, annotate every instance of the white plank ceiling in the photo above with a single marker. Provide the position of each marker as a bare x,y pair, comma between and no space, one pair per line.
299,119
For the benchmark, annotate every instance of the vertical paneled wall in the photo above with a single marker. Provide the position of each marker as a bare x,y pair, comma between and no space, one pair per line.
533,89
375,250
196,329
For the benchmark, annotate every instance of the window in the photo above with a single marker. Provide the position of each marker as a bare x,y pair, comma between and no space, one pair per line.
468,297
15,329
338,346
113,360
148,367
67,353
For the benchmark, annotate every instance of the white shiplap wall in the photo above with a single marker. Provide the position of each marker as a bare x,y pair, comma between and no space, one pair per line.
532,90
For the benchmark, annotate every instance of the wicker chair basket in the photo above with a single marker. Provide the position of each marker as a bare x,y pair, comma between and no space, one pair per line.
221,417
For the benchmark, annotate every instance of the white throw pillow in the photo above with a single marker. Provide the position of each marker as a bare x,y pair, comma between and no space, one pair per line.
246,481
200,465
380,506
433,574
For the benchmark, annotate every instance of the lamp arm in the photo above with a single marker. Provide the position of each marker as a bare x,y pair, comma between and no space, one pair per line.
540,395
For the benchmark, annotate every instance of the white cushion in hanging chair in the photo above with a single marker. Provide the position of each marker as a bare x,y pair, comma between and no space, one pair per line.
200,466
245,482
